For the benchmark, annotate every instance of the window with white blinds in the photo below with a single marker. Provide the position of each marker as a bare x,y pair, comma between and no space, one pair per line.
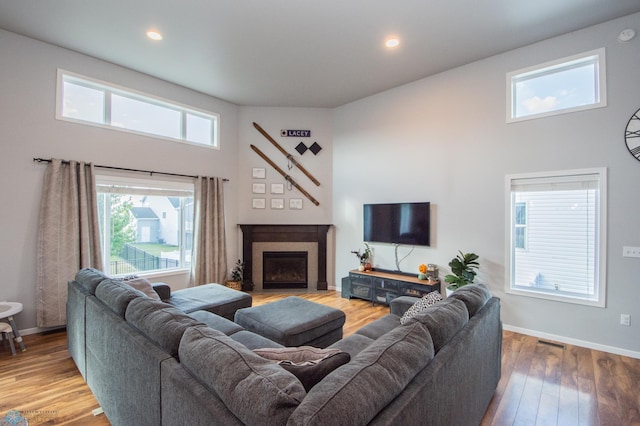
556,235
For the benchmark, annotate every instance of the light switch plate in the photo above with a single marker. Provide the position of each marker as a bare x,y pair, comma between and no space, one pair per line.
630,251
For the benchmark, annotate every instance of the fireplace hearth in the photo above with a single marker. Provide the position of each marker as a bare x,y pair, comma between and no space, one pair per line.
284,269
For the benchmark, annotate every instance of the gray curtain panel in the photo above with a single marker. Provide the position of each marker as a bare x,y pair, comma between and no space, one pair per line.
209,255
68,236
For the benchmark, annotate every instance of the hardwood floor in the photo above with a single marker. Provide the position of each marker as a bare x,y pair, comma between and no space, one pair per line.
542,384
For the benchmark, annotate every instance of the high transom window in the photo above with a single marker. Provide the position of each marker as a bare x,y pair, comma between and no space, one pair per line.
97,103
569,84
556,236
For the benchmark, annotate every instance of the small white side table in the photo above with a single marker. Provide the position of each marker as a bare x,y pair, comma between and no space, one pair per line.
8,310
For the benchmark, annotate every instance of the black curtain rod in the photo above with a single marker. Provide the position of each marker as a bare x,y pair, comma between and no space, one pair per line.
151,172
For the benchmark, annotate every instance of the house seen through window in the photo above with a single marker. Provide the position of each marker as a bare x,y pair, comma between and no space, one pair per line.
145,226
557,235
520,227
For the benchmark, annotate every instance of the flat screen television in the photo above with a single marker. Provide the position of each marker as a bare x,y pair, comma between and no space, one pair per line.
397,223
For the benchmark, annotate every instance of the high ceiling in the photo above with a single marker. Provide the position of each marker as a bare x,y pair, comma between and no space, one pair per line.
299,53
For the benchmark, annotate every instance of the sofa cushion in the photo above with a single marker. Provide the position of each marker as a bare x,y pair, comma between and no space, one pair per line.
116,295
421,304
443,320
216,322
142,284
253,340
358,390
89,278
160,322
380,326
474,297
253,388
353,344
308,364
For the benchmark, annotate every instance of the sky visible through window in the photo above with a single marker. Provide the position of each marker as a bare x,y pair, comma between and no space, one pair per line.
91,102
555,91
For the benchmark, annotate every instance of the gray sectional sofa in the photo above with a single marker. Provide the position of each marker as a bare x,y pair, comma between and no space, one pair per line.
149,363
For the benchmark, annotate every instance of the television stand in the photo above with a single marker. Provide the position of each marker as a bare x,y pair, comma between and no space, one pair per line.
382,286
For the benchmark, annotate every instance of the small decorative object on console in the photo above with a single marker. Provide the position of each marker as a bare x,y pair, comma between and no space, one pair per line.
432,272
364,258
423,271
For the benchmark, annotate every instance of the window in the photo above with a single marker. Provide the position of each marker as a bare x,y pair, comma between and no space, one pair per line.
145,225
89,101
566,85
560,219
520,227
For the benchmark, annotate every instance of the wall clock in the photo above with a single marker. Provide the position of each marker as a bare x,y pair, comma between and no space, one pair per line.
632,135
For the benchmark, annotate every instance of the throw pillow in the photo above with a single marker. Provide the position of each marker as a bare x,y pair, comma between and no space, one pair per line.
423,303
140,284
310,365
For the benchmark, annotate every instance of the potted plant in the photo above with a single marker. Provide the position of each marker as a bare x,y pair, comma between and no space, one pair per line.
237,274
364,258
463,271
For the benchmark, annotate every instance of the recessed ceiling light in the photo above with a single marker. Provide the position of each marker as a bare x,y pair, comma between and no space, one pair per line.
626,35
154,35
392,42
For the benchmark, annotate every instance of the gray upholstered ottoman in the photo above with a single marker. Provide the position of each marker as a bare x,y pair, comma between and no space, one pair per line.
294,321
214,298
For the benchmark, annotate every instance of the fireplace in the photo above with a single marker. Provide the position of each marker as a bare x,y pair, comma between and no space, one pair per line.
310,238
284,269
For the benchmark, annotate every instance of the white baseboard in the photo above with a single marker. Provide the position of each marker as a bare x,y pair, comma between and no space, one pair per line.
575,342
34,330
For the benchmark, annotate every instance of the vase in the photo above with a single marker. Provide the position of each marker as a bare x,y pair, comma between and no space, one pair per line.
361,267
367,267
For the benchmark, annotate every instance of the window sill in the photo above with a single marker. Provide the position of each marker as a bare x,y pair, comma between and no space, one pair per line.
163,273
556,298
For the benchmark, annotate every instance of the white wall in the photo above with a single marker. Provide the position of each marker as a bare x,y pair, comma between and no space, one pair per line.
272,120
29,129
444,139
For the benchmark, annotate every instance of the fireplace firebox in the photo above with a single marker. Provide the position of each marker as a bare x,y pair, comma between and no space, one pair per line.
284,269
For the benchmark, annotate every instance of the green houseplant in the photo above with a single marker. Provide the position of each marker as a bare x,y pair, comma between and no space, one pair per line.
463,270
237,274
364,257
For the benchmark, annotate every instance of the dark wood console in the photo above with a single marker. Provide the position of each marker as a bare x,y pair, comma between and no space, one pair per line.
381,286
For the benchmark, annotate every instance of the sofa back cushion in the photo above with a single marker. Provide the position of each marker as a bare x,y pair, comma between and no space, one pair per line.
255,390
160,322
443,320
474,297
116,295
360,389
89,278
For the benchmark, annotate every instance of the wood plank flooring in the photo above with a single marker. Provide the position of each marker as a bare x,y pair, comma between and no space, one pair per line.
542,384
